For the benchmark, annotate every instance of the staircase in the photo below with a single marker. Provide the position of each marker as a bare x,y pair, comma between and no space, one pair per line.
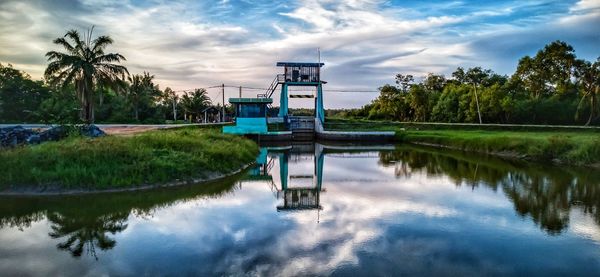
270,90
302,127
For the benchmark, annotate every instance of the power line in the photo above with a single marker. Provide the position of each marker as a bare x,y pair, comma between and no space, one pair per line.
257,88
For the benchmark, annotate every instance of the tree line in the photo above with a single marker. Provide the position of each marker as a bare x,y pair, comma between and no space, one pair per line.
552,87
86,84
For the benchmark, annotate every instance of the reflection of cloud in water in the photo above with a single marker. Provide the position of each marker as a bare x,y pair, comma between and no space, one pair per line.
32,253
584,226
372,222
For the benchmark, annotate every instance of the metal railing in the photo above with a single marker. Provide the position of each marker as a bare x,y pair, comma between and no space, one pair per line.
271,89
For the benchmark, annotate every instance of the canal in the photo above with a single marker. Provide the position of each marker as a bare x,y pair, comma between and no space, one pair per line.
319,209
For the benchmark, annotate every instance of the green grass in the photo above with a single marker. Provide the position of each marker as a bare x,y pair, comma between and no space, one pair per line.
567,145
125,161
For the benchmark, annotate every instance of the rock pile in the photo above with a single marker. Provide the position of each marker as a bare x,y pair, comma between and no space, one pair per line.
91,131
13,136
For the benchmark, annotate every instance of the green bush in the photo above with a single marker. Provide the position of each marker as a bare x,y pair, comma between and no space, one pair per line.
121,161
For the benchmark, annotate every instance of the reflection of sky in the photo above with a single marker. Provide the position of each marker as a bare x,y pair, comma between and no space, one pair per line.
372,223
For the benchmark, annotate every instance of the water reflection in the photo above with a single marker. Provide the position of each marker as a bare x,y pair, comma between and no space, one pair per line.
84,232
85,224
547,196
301,189
318,209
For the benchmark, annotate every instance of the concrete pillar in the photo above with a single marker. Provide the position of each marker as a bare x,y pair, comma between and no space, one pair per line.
283,101
283,170
320,110
319,161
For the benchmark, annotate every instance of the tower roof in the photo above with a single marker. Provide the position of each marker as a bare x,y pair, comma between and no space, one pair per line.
297,64
250,100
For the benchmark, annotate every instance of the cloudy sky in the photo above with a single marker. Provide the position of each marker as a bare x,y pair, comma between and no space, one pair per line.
189,44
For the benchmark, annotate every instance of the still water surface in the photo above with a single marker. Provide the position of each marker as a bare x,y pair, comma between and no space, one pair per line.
323,210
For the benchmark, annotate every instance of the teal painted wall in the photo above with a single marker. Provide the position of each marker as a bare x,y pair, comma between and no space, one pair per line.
242,126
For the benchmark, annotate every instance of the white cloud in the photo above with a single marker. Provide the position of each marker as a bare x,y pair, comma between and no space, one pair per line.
188,44
585,5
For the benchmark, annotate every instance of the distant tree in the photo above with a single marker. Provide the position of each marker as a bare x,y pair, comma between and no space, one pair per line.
193,102
448,108
549,71
588,76
459,75
433,82
141,92
391,104
86,65
61,106
170,98
404,81
419,102
20,97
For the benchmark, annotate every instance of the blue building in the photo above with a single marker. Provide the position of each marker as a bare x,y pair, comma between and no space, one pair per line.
252,114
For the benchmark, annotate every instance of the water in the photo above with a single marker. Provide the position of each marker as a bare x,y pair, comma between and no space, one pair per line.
323,210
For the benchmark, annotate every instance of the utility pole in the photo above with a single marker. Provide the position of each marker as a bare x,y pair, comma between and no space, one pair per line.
175,108
223,92
477,102
240,91
319,64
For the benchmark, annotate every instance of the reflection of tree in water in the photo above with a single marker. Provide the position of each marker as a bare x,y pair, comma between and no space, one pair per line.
85,223
545,199
86,232
21,221
544,193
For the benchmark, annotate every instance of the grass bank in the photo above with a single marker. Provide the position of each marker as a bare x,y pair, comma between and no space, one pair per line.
568,145
114,162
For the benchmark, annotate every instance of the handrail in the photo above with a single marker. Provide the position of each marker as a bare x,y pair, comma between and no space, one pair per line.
269,92
274,84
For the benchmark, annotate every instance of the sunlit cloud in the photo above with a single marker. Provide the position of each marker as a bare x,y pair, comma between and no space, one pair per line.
189,44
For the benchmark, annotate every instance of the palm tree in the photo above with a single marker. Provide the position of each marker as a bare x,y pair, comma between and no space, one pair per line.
86,65
194,102
140,89
588,76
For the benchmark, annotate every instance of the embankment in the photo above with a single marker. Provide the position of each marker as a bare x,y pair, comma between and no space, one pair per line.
111,163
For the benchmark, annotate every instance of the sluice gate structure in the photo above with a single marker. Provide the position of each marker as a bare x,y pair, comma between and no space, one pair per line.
256,116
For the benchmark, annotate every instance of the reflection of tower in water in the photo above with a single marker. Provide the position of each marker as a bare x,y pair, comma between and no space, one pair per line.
301,182
300,175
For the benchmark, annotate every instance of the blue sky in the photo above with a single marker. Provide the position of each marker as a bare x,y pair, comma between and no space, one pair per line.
189,44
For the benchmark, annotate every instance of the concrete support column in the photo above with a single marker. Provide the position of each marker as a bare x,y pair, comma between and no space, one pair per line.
319,161
283,101
283,170
320,110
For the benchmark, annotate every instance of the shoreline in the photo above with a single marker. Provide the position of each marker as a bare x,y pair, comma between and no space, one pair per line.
563,145
513,155
31,192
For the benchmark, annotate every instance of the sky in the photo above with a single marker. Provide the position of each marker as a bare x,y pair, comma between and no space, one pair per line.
364,44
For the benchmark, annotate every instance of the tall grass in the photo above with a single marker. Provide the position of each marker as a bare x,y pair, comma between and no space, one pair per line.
579,148
565,144
118,161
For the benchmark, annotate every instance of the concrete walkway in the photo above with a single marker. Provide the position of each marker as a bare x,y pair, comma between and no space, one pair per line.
121,129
